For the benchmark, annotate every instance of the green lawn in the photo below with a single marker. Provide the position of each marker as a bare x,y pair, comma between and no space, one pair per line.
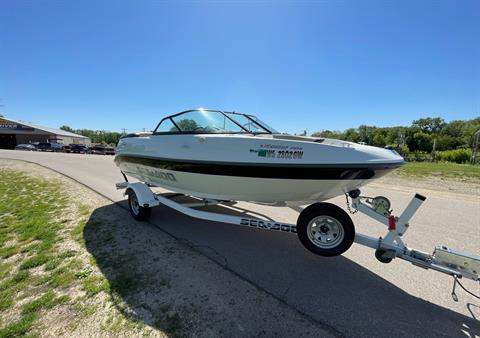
34,220
43,264
463,172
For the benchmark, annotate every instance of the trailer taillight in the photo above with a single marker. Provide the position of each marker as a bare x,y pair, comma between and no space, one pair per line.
392,222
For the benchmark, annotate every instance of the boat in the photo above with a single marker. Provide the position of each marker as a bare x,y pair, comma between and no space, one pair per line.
229,156
223,157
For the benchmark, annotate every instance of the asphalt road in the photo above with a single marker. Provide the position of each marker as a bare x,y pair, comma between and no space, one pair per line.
353,293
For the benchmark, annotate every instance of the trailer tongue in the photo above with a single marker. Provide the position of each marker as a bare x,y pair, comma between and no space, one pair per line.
443,259
327,230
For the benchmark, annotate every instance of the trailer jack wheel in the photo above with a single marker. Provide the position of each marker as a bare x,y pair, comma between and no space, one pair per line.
383,256
138,212
325,229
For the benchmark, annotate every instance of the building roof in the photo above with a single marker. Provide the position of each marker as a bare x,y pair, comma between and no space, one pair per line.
55,131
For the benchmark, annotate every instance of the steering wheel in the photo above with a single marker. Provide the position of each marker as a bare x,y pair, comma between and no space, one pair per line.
247,126
216,128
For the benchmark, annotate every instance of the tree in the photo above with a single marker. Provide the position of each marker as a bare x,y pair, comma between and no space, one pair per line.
447,142
378,140
351,134
187,125
421,141
328,134
96,136
67,128
365,134
430,125
419,136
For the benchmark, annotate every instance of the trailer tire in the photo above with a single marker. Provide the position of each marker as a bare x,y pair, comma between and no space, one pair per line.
325,229
379,254
138,212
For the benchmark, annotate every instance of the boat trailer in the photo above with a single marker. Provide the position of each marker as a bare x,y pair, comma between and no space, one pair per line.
326,229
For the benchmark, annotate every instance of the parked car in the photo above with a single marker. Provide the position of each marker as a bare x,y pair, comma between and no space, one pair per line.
98,150
102,150
66,148
57,147
43,146
28,147
79,148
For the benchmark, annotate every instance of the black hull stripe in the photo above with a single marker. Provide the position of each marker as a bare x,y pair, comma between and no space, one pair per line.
262,171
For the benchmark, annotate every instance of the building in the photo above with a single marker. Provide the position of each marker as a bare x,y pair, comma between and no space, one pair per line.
17,132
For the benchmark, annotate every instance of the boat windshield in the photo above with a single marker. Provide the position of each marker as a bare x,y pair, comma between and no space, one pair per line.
211,122
263,124
249,123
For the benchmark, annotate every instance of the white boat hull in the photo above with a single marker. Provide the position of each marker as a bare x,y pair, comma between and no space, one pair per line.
273,169
260,190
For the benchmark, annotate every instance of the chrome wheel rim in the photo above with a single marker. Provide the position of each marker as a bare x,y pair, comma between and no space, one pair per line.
325,232
134,204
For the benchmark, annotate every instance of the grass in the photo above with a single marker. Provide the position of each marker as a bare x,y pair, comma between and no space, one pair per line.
5,269
77,232
47,301
35,273
62,277
15,281
30,314
6,300
465,172
34,261
9,251
29,231
18,328
95,284
28,214
88,310
53,264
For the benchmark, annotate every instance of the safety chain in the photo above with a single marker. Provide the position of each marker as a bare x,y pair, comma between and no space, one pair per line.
455,282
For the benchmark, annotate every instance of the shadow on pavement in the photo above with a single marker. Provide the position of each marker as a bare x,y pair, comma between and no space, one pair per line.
337,293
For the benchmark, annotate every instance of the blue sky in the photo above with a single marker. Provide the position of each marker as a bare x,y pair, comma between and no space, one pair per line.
298,65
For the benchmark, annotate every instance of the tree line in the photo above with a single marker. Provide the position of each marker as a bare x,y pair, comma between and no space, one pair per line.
423,135
97,136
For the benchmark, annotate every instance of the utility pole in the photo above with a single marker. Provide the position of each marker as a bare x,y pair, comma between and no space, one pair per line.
433,150
475,144
124,131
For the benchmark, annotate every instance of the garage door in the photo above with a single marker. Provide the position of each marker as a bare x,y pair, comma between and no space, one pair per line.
8,141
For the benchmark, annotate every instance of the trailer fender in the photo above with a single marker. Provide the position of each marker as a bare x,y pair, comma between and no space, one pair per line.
145,196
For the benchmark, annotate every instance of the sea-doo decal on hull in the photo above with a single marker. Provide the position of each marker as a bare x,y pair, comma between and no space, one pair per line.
258,223
157,173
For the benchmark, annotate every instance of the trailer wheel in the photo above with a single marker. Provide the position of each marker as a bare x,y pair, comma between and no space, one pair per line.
382,256
138,212
325,229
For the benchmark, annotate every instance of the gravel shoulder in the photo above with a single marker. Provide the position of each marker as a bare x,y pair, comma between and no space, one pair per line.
463,189
158,286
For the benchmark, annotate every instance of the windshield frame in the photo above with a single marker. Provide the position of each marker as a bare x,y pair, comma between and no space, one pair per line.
181,132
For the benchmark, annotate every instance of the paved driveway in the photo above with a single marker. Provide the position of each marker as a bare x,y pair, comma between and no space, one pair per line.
353,293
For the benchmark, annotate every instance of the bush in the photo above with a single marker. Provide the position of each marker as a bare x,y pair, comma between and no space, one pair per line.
457,155
418,156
